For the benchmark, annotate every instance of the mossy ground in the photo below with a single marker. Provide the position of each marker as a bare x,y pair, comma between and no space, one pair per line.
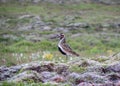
87,44
31,84
90,43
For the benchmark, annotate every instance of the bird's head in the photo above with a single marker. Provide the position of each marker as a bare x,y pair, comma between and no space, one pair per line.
61,35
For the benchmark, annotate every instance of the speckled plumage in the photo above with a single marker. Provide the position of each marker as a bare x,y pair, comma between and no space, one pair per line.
64,48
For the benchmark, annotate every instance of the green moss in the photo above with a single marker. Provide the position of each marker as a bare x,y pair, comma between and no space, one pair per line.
76,68
57,13
100,59
89,43
23,43
25,84
22,46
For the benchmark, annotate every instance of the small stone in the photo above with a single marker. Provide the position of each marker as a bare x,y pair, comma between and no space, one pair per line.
47,75
85,84
74,78
27,75
114,68
46,28
117,83
25,16
62,69
82,25
93,77
58,79
114,77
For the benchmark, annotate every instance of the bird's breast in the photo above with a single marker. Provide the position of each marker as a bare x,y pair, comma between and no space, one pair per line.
61,51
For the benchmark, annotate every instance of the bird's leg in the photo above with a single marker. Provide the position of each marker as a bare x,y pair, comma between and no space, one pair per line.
66,57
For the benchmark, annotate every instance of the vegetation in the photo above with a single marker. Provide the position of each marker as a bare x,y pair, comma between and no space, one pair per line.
26,84
93,13
87,44
76,68
15,49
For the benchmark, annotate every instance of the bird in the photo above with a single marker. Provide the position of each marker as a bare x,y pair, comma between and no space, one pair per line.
64,48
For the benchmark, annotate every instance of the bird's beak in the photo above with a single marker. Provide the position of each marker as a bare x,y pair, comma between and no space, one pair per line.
57,36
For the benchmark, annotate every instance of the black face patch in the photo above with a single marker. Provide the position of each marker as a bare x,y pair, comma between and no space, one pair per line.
61,51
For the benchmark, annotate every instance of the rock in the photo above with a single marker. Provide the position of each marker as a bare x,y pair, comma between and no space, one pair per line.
84,64
62,69
92,62
3,1
105,84
35,39
93,77
52,83
39,67
105,25
58,79
4,73
25,27
47,28
35,23
108,83
76,35
67,2
117,83
47,75
61,29
108,1
26,76
25,16
96,68
111,62
52,36
36,1
80,25
74,78
114,68
3,23
10,36
47,71
8,72
113,77
85,84
31,65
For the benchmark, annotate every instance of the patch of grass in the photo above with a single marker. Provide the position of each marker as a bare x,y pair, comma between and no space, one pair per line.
56,13
24,51
85,44
25,84
3,39
100,59
83,6
23,43
27,46
22,46
16,8
14,21
93,44
76,68
46,45
47,32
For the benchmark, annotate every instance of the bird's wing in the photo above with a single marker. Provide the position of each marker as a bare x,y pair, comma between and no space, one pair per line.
67,48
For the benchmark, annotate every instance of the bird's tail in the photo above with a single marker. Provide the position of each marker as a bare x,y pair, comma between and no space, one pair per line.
74,53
